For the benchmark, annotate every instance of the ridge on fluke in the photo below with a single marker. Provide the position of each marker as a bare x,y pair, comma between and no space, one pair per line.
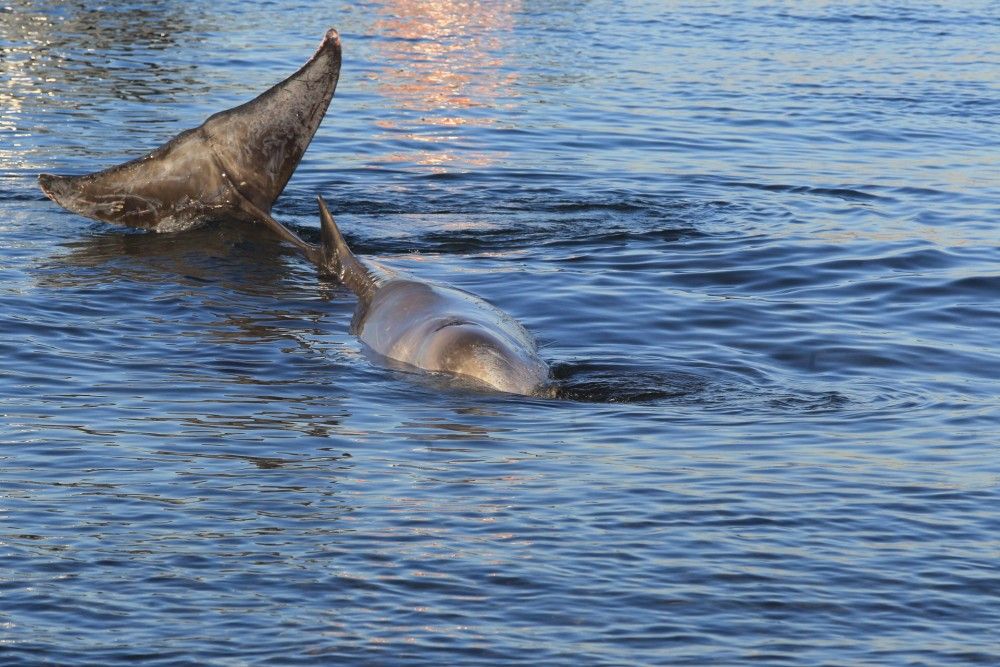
234,165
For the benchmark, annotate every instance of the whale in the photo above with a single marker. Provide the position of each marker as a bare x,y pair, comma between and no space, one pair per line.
232,166
237,163
430,326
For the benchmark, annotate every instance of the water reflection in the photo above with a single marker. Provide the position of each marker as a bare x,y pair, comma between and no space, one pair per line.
436,429
265,462
71,58
108,49
231,255
445,59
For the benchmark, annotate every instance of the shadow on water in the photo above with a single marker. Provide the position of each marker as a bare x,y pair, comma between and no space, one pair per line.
231,255
612,381
596,382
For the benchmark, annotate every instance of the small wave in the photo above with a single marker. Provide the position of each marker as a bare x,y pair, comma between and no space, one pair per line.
466,195
968,287
537,219
849,194
810,402
19,195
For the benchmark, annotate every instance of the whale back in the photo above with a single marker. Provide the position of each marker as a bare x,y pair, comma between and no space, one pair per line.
444,329
429,326
485,354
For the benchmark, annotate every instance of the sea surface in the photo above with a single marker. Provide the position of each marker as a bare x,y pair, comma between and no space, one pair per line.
758,243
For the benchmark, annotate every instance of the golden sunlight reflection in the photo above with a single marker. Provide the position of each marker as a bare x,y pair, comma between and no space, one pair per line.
443,60
16,84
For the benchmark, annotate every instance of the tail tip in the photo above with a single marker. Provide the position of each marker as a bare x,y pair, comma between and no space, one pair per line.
54,187
45,182
333,36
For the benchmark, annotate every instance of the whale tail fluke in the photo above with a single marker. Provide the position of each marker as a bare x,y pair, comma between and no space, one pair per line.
177,186
56,188
245,153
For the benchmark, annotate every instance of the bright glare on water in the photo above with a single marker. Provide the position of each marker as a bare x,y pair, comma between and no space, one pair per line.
757,242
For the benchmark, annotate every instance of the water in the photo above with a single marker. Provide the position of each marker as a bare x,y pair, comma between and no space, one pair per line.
757,242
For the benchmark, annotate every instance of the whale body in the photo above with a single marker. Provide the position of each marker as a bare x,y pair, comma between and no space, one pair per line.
433,327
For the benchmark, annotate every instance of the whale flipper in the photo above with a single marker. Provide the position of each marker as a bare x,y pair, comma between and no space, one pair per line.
233,165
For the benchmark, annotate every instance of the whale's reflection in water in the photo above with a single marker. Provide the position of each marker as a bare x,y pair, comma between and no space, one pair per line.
233,255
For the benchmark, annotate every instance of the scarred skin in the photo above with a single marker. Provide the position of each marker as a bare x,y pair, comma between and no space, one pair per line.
234,165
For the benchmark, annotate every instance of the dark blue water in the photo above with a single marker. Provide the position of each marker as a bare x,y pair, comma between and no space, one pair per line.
758,243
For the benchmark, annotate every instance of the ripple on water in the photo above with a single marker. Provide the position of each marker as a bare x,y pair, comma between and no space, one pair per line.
757,247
